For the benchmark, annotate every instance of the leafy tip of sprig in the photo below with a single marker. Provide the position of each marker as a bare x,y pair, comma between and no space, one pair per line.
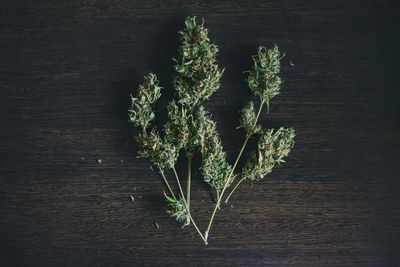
272,148
263,79
177,129
248,119
198,75
215,167
158,150
141,111
177,208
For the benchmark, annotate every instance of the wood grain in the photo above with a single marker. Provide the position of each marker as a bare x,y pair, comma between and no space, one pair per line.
66,72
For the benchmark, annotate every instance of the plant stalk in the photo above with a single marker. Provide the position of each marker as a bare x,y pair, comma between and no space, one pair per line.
184,201
231,173
166,182
189,178
233,190
179,183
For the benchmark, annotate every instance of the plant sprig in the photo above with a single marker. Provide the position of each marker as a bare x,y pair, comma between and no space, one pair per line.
191,128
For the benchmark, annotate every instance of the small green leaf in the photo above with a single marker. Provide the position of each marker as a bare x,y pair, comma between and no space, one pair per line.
151,168
132,198
157,226
291,63
169,199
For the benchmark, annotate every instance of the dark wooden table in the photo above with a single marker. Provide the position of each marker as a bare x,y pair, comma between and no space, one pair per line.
67,68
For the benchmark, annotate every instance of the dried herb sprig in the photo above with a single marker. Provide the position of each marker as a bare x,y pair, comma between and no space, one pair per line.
198,75
264,82
272,148
215,167
190,126
141,111
161,151
197,78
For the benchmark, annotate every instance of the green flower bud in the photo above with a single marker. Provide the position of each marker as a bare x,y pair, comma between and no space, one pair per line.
272,148
198,75
263,79
141,111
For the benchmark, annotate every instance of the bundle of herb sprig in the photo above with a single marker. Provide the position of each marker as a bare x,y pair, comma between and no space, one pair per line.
191,129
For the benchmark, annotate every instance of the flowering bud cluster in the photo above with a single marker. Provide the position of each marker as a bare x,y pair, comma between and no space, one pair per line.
273,146
198,76
263,80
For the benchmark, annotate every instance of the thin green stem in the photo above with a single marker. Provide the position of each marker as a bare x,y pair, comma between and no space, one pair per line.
189,178
179,183
258,115
225,186
233,190
184,201
259,112
229,179
144,129
197,229
166,182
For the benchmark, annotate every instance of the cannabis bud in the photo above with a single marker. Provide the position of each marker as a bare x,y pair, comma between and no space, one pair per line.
177,209
272,148
248,119
161,153
141,111
198,77
215,168
263,79
191,129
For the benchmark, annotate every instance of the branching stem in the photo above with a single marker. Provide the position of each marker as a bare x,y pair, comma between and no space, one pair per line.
233,190
179,183
228,179
166,182
187,208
